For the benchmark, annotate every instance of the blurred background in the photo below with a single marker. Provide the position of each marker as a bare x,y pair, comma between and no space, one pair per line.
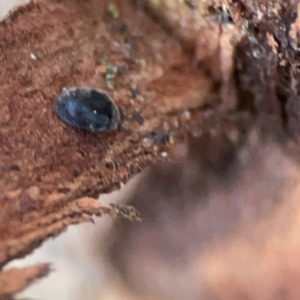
6,5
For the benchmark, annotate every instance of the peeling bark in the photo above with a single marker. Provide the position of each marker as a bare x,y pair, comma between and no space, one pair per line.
15,280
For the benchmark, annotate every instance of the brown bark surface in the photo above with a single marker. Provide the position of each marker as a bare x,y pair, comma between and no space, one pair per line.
16,280
47,166
189,68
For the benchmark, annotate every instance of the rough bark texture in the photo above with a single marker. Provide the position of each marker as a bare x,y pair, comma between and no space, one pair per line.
47,166
243,57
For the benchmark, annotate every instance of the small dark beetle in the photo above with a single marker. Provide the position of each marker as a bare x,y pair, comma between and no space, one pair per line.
87,108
